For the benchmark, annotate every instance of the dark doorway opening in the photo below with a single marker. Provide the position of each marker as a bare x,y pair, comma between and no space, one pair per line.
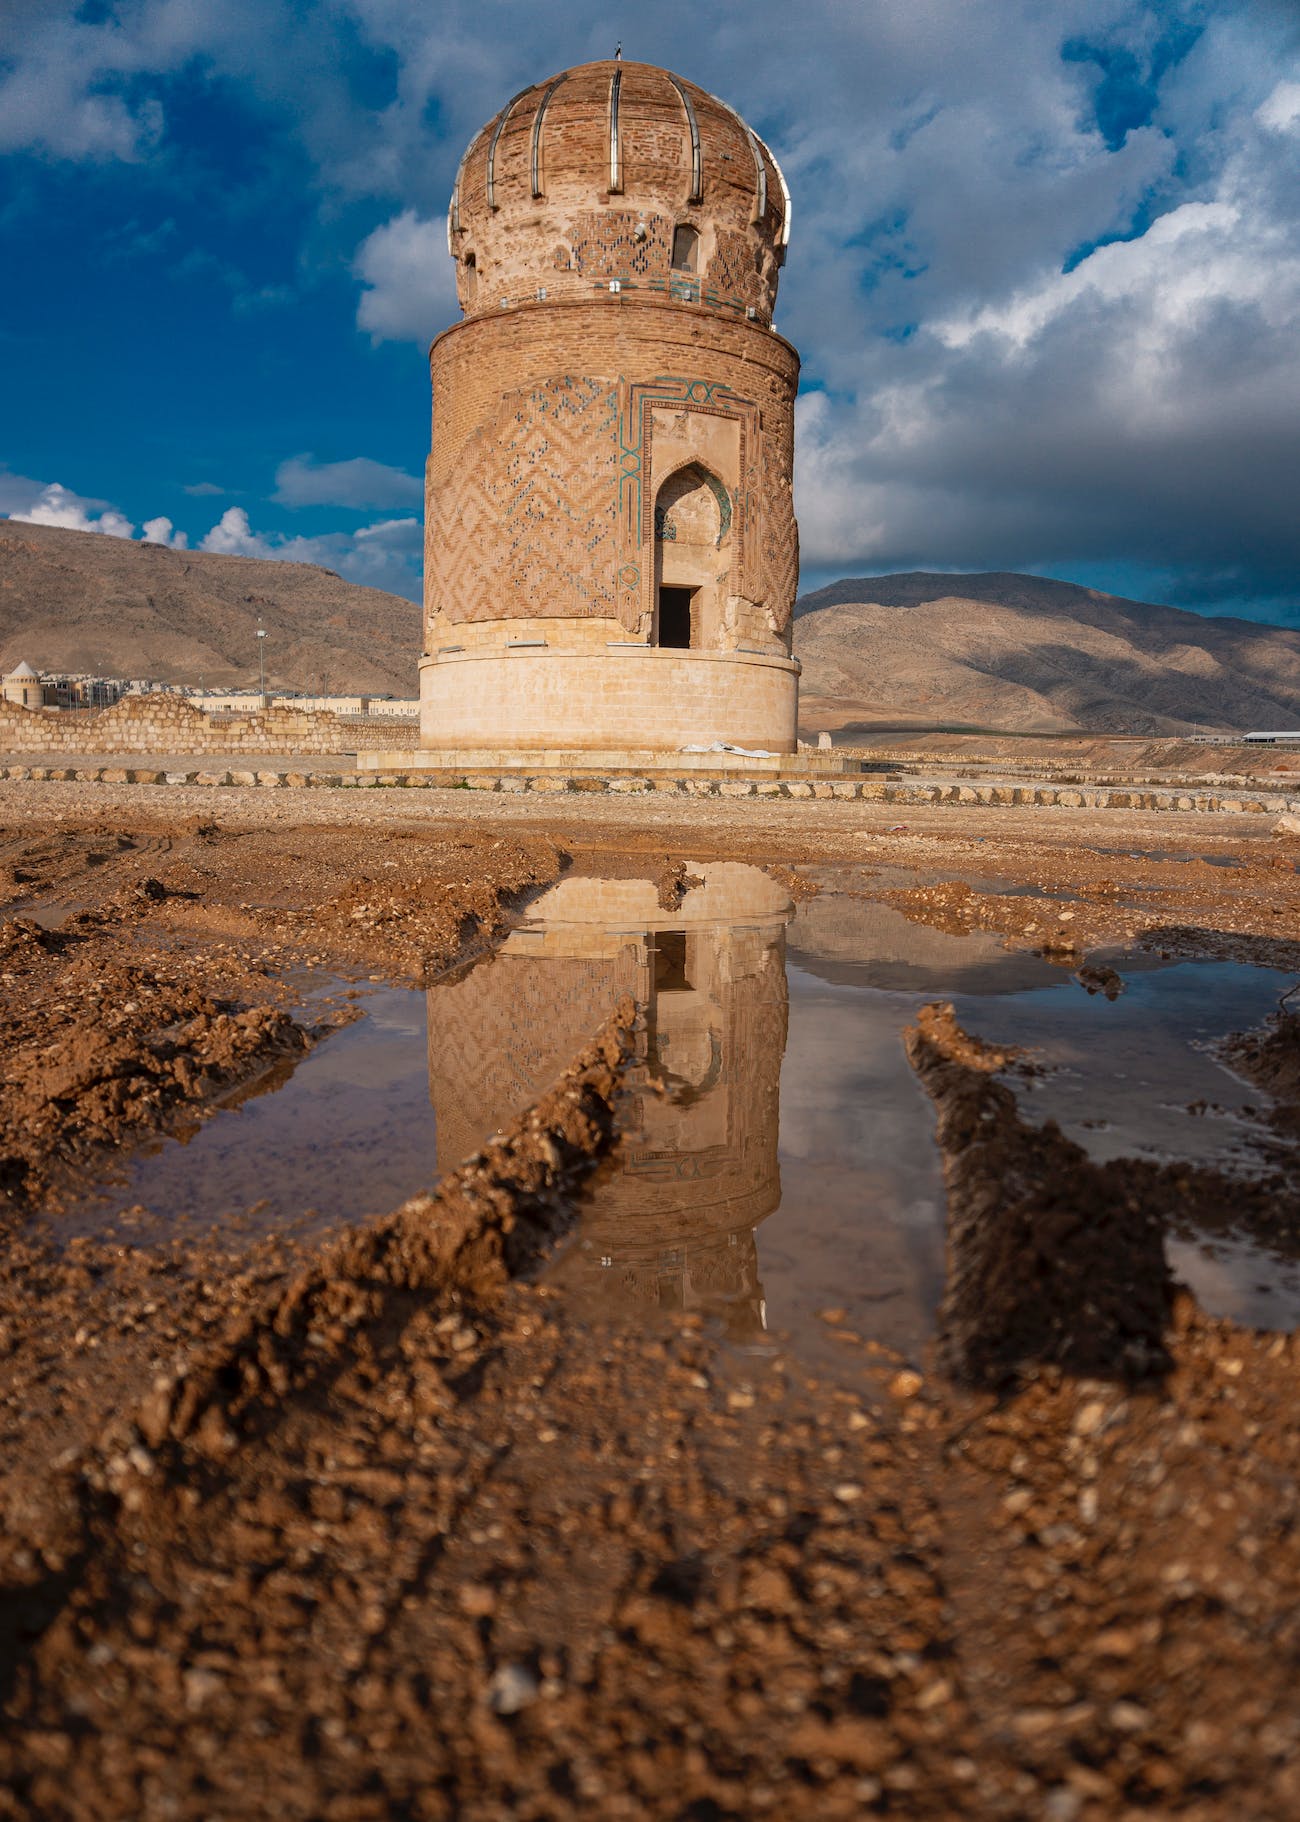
670,962
675,617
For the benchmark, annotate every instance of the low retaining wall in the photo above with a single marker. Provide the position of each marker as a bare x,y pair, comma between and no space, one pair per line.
1093,797
840,789
171,724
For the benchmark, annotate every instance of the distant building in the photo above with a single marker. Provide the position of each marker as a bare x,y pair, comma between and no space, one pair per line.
23,687
68,690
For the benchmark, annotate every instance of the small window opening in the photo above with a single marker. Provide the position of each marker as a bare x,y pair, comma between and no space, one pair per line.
470,262
675,618
686,248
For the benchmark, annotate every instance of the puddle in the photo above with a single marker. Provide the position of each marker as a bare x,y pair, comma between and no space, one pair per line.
49,913
779,1158
1135,1077
340,1135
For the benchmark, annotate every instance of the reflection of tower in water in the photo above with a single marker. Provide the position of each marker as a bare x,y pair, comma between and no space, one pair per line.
672,1215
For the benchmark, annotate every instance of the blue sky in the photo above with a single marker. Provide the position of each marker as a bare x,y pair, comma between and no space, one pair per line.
1045,272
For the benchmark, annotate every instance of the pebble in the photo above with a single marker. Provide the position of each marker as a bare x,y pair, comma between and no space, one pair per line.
512,1688
1089,1418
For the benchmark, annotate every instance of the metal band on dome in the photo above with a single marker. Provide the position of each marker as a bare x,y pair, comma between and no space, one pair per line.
783,238
537,132
453,211
615,158
497,131
760,202
697,194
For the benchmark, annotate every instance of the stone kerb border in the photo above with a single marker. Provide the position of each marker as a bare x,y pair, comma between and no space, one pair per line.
839,789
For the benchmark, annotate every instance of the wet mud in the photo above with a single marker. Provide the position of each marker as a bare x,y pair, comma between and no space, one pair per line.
399,1519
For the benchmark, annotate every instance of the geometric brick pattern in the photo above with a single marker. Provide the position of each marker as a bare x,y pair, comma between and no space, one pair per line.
733,272
780,552
505,1032
527,524
604,243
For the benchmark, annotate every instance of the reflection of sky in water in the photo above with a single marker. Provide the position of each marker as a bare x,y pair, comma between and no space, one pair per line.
1124,1073
860,1225
344,1134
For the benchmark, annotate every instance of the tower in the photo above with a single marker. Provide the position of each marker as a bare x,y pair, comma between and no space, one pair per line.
673,1218
611,551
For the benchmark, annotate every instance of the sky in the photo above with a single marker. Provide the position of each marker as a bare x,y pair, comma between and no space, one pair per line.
1044,274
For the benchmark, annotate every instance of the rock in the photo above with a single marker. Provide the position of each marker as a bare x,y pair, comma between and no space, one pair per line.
200,1687
512,1688
1090,1418
1287,825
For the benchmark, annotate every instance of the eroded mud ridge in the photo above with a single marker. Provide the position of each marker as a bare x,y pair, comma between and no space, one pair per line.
400,1519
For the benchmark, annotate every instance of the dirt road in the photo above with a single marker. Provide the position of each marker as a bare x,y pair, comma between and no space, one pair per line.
380,1524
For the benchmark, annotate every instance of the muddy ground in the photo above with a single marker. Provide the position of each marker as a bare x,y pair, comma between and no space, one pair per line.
381,1526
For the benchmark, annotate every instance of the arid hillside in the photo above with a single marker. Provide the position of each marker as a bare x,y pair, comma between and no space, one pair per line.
1029,654
77,601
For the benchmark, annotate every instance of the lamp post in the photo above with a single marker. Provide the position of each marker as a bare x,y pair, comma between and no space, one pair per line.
261,661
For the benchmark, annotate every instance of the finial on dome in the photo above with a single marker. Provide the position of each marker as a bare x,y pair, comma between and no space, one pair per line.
618,51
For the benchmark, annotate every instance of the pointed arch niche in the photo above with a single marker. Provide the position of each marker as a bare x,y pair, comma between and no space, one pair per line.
692,523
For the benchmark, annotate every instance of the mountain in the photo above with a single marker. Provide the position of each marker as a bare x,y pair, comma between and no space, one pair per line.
1031,655
80,601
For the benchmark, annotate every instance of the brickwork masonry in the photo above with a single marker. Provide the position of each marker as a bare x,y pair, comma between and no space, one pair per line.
171,724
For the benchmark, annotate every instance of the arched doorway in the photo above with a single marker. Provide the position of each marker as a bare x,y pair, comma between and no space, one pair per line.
692,536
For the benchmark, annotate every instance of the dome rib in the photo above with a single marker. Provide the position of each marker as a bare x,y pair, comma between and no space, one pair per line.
587,175
615,158
538,118
696,192
497,131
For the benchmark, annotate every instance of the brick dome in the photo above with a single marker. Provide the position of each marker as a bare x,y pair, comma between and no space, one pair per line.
618,174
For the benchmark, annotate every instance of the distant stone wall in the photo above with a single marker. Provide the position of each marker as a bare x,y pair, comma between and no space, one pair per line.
170,724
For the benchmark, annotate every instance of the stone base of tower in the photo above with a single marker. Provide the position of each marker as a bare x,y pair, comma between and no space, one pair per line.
621,698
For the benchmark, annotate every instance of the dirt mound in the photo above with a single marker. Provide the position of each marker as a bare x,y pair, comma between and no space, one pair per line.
1049,1261
1271,1059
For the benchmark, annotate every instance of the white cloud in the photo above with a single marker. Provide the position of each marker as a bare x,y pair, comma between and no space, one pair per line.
1281,111
383,555
54,504
360,482
233,536
1188,261
410,290
65,90
387,553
